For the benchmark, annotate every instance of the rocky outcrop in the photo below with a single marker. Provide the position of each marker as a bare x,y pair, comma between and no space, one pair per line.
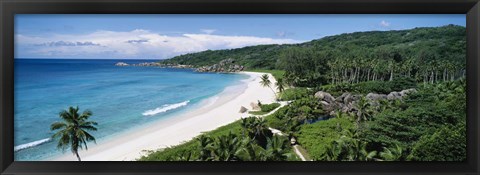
407,91
227,65
347,102
393,96
326,100
376,97
147,64
399,95
243,109
255,106
121,64
178,66
325,96
347,98
181,66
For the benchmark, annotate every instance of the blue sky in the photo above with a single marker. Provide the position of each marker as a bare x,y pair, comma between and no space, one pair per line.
165,36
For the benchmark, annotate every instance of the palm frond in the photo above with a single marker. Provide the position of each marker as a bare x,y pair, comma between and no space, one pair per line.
89,137
88,127
64,141
58,125
65,115
85,115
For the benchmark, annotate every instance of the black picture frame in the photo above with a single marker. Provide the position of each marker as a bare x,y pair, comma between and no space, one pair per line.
8,8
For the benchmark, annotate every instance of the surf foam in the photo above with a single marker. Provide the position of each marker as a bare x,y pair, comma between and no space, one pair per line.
165,108
31,144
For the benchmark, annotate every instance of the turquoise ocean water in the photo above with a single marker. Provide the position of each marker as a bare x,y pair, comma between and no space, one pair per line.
121,98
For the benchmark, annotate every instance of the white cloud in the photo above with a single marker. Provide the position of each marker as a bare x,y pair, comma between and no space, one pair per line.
133,44
384,23
208,31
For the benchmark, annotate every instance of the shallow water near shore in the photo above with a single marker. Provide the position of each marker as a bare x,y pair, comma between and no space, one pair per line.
121,98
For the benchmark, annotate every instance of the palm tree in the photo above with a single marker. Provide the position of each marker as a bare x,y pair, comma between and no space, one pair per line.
256,129
205,145
340,114
349,148
364,110
332,152
73,130
250,151
226,147
277,149
392,154
183,156
364,154
265,82
381,105
280,85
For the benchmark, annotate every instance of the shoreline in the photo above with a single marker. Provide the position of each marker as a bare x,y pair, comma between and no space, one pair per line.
212,113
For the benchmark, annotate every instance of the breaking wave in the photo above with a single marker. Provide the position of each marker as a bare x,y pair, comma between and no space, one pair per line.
165,108
31,144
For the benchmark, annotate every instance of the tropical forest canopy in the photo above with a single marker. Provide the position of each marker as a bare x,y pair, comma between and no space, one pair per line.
338,108
428,54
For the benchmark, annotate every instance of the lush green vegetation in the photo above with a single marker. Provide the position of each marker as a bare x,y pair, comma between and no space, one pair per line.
428,124
382,87
174,151
245,140
290,118
295,93
269,107
429,55
425,126
257,112
252,57
415,124
445,144
426,55
318,136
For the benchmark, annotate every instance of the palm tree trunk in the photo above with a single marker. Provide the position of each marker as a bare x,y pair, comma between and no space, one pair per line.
368,75
333,77
391,75
424,78
78,156
444,74
273,92
358,74
431,78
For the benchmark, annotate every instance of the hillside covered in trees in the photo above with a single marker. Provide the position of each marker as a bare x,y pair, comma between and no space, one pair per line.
429,54
365,96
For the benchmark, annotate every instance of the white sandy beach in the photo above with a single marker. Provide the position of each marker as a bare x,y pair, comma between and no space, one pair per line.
175,130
